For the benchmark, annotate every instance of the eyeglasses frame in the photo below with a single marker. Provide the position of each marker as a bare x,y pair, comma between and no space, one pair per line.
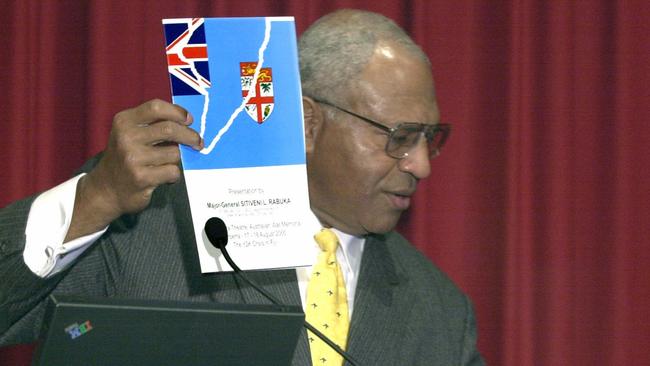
444,128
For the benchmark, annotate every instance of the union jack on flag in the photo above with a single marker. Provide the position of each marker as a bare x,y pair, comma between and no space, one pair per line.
187,56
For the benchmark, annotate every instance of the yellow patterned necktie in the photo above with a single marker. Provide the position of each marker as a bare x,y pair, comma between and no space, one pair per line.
327,302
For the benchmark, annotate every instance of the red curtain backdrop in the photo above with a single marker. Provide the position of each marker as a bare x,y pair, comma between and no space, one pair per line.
539,207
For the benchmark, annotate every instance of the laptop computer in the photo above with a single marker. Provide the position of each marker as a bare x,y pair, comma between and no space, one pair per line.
116,332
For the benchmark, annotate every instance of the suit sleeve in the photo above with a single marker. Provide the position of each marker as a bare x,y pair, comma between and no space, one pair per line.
23,294
20,289
470,355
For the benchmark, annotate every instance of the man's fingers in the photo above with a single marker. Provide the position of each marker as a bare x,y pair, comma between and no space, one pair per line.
168,131
152,123
153,111
159,110
168,173
150,177
161,155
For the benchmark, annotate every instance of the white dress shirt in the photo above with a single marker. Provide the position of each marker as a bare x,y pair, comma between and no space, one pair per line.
49,218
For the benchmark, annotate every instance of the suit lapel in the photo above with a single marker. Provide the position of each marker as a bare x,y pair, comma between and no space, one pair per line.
380,311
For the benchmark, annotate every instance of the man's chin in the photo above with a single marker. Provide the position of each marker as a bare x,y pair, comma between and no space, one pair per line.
382,226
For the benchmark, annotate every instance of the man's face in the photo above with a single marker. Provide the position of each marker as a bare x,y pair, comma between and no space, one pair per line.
354,185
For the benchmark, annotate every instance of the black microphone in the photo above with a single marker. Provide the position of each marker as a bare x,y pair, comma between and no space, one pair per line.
217,233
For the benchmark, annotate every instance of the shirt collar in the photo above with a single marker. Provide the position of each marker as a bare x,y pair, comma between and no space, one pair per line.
351,248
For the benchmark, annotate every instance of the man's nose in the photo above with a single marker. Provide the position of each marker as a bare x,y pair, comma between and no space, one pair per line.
417,162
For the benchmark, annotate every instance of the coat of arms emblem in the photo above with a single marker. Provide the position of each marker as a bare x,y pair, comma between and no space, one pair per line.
260,105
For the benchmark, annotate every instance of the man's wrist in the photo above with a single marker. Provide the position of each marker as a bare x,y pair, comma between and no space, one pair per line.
94,209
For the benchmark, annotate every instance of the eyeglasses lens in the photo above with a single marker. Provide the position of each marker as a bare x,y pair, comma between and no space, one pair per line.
403,139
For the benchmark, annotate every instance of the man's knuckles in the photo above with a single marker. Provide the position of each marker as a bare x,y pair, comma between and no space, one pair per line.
143,179
156,107
165,130
122,120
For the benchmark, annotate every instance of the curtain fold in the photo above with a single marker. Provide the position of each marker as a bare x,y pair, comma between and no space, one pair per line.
538,207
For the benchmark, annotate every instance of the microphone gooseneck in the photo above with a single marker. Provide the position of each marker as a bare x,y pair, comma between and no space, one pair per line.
217,233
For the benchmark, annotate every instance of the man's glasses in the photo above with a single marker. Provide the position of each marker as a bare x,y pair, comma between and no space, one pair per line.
406,135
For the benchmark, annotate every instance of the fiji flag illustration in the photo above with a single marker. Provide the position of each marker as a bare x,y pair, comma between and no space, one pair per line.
187,56
239,79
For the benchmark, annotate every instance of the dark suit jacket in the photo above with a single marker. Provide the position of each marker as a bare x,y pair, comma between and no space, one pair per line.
406,312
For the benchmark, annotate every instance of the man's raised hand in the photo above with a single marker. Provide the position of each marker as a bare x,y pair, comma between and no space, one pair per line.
142,153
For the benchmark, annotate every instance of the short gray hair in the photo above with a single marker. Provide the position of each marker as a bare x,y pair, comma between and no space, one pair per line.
334,50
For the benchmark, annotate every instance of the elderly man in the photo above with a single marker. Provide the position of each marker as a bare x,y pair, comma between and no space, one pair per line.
371,127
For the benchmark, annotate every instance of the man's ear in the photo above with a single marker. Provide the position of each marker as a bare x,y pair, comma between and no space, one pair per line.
314,118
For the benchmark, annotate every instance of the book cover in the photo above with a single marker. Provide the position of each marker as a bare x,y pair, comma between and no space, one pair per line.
239,78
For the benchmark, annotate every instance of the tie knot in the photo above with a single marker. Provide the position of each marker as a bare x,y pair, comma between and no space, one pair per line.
327,240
